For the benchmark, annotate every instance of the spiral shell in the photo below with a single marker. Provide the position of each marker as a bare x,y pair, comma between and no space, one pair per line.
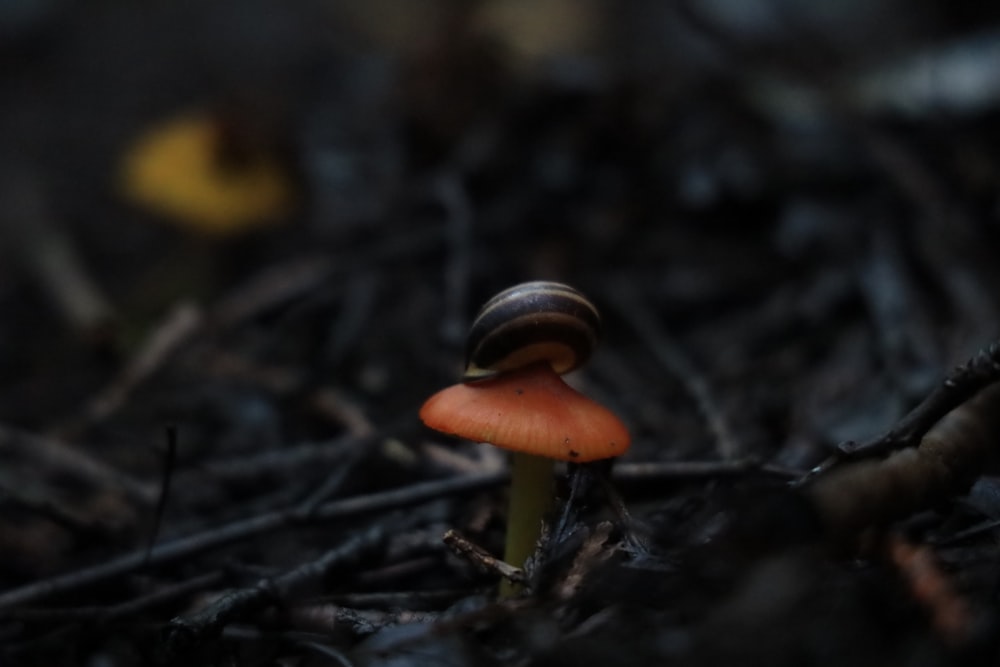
529,323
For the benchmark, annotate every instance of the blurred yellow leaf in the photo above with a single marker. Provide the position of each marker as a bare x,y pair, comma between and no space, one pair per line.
180,170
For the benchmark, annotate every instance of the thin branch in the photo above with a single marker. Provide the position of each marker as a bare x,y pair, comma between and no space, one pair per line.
186,630
481,558
671,356
961,385
180,324
688,470
102,614
48,455
185,547
169,464
31,235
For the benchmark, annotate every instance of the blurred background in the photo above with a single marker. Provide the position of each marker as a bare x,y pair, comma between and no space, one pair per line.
414,159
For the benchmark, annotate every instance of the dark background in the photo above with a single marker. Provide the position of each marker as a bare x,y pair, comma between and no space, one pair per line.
786,211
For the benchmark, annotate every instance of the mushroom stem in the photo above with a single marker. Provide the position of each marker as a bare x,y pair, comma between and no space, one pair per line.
531,498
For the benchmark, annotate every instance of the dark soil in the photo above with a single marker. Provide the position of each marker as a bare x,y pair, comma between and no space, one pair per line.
787,213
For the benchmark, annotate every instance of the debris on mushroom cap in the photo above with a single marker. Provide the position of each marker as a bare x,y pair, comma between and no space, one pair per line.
531,410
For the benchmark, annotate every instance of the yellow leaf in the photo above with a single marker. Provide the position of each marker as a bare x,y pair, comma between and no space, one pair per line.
178,169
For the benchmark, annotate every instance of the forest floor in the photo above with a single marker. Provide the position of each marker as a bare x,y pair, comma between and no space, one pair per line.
242,242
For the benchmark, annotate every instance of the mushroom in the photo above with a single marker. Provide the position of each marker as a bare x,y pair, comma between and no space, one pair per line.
532,332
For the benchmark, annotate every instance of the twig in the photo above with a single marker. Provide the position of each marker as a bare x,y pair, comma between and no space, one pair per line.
961,385
630,528
169,593
33,237
330,618
277,462
187,630
56,512
346,468
223,363
901,327
972,531
943,231
592,553
688,470
283,282
481,558
169,461
166,594
958,387
271,287
281,381
239,530
179,325
332,405
70,462
581,479
672,358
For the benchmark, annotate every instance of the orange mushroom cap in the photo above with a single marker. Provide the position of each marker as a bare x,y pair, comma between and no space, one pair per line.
530,410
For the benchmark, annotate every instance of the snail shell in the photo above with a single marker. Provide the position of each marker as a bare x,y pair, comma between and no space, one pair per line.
532,322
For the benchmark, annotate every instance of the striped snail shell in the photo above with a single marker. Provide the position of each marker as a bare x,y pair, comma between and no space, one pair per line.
528,323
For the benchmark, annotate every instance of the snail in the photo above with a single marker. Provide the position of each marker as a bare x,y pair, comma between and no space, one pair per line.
529,323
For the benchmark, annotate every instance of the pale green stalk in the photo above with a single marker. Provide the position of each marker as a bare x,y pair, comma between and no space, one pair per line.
531,499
